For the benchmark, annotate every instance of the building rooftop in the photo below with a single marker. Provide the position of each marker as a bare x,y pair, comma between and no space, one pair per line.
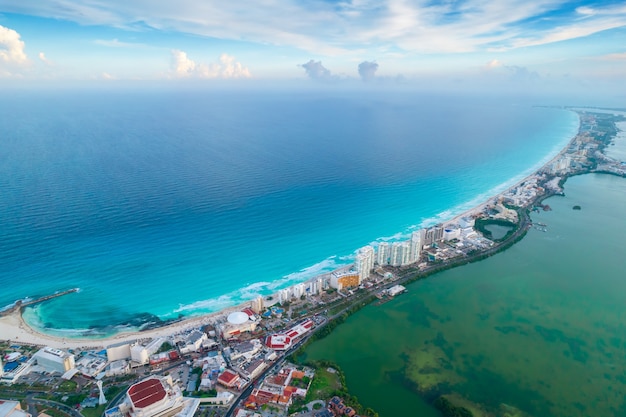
146,393
227,377
12,409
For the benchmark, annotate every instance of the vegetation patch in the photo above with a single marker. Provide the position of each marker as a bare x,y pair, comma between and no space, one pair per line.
325,383
482,225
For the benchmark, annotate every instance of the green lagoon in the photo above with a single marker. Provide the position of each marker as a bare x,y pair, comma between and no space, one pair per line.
538,330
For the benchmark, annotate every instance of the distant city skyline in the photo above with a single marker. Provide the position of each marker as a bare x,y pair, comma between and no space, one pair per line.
514,43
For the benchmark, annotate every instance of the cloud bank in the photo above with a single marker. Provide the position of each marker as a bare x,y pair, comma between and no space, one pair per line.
334,28
227,68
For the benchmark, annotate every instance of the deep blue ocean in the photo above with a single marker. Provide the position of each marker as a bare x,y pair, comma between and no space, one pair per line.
162,203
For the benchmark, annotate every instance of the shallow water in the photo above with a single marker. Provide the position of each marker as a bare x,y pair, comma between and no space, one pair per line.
540,327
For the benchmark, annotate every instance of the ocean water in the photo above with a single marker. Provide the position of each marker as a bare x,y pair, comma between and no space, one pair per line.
166,203
539,328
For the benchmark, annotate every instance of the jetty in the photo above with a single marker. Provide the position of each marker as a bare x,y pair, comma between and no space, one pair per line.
20,304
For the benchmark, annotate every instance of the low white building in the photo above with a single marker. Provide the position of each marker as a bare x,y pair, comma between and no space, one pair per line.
12,376
245,349
54,360
395,290
121,367
222,398
193,342
91,365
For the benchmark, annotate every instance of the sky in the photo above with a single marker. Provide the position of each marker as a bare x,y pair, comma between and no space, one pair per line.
523,43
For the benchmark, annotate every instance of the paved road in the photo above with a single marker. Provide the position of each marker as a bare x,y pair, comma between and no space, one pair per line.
32,401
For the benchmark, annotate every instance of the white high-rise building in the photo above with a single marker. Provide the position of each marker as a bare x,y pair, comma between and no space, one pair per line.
400,253
429,236
438,233
382,254
284,295
364,262
298,290
257,305
320,285
417,239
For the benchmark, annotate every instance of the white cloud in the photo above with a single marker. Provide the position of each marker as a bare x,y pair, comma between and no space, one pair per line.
181,65
116,43
316,71
184,67
620,56
11,47
44,59
232,69
367,70
330,28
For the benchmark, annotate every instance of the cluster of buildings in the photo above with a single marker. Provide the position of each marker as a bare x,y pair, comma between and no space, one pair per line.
280,388
46,359
337,408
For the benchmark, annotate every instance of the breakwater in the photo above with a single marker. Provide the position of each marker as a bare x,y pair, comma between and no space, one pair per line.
20,304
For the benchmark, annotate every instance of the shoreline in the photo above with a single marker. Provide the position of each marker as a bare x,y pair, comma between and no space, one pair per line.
13,326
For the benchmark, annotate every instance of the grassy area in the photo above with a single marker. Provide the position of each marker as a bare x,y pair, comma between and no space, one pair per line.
323,386
67,386
7,393
93,412
52,411
71,400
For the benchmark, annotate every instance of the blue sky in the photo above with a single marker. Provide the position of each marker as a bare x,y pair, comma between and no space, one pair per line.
539,42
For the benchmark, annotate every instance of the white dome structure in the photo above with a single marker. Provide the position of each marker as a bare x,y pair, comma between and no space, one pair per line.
238,317
239,322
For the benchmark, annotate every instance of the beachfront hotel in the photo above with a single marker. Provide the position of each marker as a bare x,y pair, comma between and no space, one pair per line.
364,262
342,280
54,360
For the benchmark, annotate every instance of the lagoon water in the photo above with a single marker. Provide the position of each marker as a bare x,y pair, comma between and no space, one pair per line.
166,203
540,327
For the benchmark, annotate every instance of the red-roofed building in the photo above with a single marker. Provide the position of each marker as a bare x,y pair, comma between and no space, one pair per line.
284,340
229,379
153,397
146,393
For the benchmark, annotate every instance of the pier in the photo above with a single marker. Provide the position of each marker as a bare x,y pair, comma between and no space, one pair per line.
19,304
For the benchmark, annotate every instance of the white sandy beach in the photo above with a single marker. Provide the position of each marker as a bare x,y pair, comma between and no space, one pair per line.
14,328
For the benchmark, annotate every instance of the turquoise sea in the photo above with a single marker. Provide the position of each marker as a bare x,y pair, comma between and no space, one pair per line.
165,203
